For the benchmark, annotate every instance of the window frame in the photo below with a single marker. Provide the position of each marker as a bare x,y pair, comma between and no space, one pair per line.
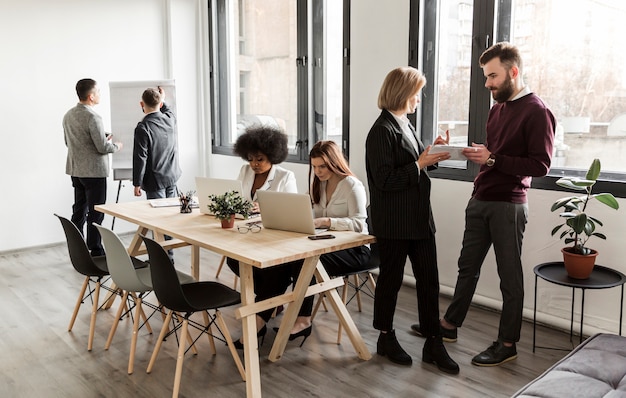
307,135
422,46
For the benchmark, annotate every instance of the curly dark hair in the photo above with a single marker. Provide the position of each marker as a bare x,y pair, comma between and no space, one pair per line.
268,140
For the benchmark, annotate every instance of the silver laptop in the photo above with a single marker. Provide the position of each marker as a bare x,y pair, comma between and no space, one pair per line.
206,186
287,212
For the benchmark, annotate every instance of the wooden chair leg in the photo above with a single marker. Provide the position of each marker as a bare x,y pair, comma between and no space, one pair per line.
116,322
145,318
159,341
133,342
357,283
372,281
219,268
210,333
81,295
231,346
192,346
344,298
111,296
179,360
319,302
94,311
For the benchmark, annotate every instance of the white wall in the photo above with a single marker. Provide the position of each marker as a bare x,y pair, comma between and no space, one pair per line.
47,46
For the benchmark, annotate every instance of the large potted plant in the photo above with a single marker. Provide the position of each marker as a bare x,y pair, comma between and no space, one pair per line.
579,225
226,206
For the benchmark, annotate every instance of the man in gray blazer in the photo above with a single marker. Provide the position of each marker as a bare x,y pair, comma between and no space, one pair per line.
87,163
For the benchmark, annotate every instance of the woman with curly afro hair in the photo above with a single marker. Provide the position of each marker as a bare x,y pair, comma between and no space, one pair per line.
263,147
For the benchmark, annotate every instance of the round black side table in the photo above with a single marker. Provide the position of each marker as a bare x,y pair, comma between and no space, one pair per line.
600,278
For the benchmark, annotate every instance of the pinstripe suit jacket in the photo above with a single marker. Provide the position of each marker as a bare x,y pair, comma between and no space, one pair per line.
399,194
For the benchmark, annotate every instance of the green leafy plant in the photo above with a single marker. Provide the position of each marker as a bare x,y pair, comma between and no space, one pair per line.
223,206
579,225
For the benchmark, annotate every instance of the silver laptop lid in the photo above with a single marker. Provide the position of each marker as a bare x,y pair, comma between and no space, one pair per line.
287,212
206,186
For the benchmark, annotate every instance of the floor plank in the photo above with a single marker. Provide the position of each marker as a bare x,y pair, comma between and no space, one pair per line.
40,358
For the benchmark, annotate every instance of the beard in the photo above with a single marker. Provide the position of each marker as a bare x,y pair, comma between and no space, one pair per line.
504,92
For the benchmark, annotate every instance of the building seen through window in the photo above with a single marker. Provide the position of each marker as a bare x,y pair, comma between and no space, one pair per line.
278,62
573,53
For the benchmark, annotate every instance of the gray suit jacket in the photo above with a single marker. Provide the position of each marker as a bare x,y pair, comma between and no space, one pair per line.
399,193
87,145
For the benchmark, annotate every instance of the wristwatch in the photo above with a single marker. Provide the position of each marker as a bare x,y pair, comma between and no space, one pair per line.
491,160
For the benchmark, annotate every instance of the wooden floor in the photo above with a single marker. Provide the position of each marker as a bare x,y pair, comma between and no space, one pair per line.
40,358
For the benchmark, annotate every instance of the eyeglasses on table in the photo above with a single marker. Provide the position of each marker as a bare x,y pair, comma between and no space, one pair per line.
253,227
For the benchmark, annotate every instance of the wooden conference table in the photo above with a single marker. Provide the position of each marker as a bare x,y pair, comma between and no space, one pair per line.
264,249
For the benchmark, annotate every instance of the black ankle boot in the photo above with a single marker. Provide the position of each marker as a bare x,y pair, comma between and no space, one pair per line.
435,352
259,335
388,345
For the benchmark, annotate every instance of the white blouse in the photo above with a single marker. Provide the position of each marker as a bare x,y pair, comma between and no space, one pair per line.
278,179
346,207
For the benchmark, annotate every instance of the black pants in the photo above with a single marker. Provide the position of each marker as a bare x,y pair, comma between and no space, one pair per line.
89,192
271,282
423,256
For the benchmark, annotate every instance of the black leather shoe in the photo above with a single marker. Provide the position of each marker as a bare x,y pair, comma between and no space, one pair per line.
495,355
435,352
448,335
388,346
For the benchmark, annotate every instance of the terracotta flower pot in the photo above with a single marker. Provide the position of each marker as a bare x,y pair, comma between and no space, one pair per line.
578,266
228,222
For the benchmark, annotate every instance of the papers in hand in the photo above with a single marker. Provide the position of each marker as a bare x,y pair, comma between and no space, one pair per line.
456,152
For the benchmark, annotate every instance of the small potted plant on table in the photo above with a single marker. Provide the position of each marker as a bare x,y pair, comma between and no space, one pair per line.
579,225
226,206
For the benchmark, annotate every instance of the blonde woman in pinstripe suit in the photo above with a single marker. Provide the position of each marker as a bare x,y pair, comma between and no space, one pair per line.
397,164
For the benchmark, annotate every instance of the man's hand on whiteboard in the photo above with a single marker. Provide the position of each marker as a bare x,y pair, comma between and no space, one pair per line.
137,191
162,92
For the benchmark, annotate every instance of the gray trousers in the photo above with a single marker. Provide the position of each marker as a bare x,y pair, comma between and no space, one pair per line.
501,224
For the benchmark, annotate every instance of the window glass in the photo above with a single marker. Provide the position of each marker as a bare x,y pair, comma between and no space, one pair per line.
264,70
574,52
330,91
453,71
279,62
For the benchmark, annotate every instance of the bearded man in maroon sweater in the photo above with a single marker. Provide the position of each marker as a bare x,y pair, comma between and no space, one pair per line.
518,146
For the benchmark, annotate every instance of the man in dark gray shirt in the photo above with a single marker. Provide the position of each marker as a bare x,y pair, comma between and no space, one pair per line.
155,150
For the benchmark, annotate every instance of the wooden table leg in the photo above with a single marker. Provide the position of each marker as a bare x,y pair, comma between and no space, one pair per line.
344,316
250,343
195,262
291,313
135,244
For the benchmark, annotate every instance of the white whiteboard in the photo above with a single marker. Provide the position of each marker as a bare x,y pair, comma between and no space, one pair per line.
126,113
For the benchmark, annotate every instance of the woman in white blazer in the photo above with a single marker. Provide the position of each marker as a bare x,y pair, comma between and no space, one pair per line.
263,147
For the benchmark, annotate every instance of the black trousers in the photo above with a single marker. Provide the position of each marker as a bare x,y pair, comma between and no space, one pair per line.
271,282
89,192
423,256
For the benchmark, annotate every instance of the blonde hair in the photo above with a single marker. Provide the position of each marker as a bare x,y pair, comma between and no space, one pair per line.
399,86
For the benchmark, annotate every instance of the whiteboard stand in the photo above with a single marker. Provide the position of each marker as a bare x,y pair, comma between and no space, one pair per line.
120,175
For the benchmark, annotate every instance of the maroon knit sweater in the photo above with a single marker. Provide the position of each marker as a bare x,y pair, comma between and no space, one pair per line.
520,134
